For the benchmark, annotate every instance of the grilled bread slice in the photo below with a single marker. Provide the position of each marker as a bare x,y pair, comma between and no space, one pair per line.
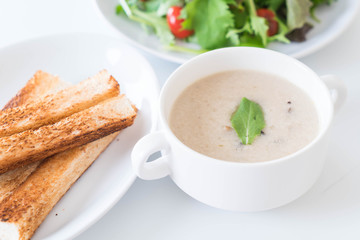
23,210
41,83
78,129
26,208
56,106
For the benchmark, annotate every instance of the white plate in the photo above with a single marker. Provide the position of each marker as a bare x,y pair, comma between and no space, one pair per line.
75,57
334,20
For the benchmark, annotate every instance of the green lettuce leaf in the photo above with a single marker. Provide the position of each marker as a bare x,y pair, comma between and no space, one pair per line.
258,24
297,13
275,4
166,4
248,40
316,3
151,19
211,20
281,35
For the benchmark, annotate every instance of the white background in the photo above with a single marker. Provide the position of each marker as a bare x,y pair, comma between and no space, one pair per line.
159,210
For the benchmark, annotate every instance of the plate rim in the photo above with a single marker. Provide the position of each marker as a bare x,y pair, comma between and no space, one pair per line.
72,232
347,22
355,4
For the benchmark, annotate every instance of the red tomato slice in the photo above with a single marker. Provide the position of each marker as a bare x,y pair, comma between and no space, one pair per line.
270,17
175,23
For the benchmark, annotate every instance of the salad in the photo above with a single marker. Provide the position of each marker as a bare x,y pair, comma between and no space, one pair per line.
215,24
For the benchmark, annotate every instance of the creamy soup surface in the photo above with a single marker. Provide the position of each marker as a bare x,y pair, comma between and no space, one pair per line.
200,117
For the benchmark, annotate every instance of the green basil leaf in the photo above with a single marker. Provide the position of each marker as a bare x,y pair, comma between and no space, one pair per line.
248,121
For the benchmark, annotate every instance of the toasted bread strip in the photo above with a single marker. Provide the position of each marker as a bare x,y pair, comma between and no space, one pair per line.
59,105
9,181
39,85
23,212
44,188
78,129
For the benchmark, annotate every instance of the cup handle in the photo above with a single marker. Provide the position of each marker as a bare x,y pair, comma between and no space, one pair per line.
146,146
337,90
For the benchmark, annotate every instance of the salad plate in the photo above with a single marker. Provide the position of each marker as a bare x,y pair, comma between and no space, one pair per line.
75,57
334,19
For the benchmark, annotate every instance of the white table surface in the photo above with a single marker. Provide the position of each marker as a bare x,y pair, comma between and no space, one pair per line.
159,210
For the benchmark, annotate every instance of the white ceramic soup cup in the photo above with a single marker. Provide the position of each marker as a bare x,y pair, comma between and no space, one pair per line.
240,186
